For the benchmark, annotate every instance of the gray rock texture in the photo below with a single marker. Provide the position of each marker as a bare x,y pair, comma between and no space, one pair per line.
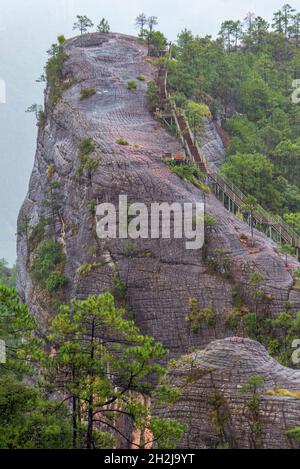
216,406
212,145
160,276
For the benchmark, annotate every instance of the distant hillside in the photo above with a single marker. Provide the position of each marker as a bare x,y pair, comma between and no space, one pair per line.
7,275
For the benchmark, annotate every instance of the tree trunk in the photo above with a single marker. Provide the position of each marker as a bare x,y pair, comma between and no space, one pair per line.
74,422
90,425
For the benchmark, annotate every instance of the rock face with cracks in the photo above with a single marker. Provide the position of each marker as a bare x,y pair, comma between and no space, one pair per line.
217,405
158,276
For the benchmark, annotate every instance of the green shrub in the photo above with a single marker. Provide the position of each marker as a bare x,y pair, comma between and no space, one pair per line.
61,39
120,289
55,281
121,141
209,221
91,206
250,324
51,171
86,147
141,77
153,98
86,93
233,320
37,234
132,85
189,173
295,434
85,269
219,262
48,264
197,317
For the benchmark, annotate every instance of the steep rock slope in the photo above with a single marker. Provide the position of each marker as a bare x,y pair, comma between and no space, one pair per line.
220,411
160,276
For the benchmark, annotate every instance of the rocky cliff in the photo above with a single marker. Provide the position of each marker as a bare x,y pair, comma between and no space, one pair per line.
223,409
158,277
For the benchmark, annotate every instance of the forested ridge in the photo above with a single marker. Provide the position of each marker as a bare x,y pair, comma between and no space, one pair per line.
247,77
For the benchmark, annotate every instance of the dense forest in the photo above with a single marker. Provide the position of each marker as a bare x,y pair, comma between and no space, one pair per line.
247,77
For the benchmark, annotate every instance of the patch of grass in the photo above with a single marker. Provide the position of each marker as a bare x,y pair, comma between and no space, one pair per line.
86,93
132,85
85,269
284,393
122,141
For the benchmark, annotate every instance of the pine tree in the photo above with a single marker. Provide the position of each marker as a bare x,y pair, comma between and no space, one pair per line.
140,23
103,26
106,368
152,21
83,23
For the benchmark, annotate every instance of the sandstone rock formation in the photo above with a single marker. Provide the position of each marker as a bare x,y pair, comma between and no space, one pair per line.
159,276
220,413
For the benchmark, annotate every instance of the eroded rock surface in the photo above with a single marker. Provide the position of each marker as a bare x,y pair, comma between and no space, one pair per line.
160,276
219,411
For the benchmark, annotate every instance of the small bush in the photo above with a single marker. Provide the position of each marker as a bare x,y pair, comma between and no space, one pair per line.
86,93
61,39
122,141
91,206
55,281
48,265
141,78
198,317
37,233
132,85
233,320
85,269
51,171
189,173
86,146
295,434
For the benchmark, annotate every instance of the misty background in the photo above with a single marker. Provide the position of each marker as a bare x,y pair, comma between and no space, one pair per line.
28,28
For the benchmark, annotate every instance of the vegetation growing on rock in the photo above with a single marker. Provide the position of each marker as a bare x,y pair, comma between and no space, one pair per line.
86,93
48,264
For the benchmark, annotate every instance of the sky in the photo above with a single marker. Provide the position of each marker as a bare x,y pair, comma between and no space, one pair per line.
29,27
